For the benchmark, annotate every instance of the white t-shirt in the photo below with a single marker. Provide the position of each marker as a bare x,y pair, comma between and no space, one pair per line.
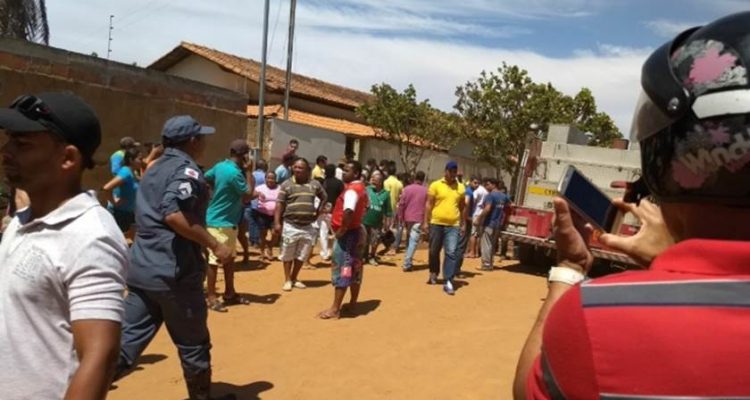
66,266
479,195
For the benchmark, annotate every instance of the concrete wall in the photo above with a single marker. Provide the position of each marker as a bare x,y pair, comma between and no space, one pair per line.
129,101
312,141
200,69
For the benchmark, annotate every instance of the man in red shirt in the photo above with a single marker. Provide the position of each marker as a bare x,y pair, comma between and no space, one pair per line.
679,329
346,222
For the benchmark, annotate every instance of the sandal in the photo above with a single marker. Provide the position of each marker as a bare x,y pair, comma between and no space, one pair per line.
327,314
216,305
236,299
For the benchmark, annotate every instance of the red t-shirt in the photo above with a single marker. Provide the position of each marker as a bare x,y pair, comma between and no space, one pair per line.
681,328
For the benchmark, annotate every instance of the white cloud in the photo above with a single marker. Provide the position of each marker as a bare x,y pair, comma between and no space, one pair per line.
436,64
668,28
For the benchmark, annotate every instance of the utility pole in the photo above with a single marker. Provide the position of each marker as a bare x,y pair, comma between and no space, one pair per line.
109,42
262,94
290,49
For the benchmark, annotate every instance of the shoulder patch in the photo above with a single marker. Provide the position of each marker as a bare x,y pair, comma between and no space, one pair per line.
185,188
192,173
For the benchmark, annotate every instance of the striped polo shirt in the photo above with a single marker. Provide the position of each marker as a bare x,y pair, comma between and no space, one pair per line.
299,201
679,330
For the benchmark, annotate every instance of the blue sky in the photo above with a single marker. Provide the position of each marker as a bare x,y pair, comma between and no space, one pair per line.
435,44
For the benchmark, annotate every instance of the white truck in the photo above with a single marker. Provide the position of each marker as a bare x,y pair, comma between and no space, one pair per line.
542,167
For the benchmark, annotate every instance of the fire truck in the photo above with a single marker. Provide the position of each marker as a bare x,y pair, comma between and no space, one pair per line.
529,226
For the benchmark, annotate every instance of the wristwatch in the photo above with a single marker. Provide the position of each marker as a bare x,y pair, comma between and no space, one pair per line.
565,275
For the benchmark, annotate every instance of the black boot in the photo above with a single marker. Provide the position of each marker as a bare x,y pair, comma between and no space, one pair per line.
199,387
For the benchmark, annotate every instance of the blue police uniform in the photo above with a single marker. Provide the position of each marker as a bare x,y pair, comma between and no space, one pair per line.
166,271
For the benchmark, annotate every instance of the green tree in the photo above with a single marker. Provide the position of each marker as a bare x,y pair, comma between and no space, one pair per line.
504,110
24,19
413,126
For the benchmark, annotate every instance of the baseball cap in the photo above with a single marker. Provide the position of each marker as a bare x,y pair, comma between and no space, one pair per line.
62,113
183,127
127,142
451,165
239,146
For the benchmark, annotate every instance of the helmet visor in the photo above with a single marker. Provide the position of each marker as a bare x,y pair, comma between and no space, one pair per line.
648,119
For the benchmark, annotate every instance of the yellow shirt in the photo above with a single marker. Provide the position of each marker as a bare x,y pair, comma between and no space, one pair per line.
395,187
318,172
445,209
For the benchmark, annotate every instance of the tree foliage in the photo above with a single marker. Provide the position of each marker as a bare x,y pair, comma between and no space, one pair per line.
413,126
24,19
502,109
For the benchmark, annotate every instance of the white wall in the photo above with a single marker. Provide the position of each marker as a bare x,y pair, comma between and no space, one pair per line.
312,141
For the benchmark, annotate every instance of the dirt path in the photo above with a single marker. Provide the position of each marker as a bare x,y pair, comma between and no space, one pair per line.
411,341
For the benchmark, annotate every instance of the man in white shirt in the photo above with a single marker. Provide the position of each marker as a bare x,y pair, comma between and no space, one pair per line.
479,194
62,259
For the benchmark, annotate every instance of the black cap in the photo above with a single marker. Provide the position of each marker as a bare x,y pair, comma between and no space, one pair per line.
62,113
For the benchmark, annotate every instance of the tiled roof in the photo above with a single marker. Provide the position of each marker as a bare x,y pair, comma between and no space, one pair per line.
333,124
302,86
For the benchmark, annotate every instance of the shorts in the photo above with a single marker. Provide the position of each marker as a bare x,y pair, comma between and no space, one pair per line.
477,229
347,259
296,241
225,236
263,221
124,219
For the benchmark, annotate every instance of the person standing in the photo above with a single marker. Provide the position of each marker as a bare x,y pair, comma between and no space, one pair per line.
443,211
411,212
466,218
259,176
394,187
167,268
491,220
232,185
333,187
115,160
376,216
267,196
319,171
480,192
122,189
63,260
283,171
296,207
346,221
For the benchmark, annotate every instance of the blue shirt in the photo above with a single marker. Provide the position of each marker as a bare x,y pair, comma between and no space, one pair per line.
497,200
229,184
260,179
160,259
282,174
115,161
126,191
470,205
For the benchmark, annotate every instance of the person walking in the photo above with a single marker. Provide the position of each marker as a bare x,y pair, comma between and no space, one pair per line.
443,210
115,160
333,187
411,207
167,268
63,261
121,191
232,184
376,217
394,187
346,221
296,208
267,196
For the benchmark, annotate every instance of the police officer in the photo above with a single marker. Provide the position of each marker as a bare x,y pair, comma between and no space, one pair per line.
167,268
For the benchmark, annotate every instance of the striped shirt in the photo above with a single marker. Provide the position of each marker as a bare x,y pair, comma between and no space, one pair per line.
299,201
678,330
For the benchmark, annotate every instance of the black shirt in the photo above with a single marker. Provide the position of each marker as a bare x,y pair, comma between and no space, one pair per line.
333,187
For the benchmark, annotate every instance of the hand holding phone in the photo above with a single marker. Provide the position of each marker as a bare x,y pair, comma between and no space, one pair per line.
588,201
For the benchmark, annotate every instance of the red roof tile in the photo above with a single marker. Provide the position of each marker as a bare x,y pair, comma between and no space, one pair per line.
333,124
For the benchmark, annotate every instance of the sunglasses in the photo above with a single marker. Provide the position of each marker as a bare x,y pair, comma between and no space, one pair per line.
35,109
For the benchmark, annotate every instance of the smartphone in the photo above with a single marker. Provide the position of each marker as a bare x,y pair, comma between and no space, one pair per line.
589,201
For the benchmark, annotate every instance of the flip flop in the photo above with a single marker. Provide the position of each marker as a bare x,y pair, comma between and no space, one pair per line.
327,315
236,299
216,305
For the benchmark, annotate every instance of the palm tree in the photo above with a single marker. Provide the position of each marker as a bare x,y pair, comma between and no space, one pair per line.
24,19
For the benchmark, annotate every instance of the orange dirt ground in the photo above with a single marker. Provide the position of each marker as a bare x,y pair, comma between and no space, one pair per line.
408,341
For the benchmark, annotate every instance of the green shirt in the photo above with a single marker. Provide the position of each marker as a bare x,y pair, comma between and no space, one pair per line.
380,206
229,184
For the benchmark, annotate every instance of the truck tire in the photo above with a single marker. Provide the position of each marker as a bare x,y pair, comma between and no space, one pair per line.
526,254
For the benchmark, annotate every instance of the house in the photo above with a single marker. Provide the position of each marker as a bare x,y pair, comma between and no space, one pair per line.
321,117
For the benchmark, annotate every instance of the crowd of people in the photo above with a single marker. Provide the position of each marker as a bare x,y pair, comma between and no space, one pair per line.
65,262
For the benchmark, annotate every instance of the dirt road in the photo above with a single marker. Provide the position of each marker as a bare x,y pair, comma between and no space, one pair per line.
409,340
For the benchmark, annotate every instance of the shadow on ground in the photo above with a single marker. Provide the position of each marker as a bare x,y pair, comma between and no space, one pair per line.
361,309
146,359
258,298
315,283
519,268
251,391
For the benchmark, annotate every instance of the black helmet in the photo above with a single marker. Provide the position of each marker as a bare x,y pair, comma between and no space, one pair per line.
693,117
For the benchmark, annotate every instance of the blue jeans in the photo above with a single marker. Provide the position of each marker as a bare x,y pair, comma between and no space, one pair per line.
184,312
398,234
411,247
445,238
253,231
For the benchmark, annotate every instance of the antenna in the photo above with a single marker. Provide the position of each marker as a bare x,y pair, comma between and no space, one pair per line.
109,41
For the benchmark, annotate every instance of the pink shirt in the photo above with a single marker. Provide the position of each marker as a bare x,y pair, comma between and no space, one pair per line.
267,199
411,203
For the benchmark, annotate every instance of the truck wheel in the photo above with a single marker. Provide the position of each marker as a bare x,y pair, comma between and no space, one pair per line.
526,254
